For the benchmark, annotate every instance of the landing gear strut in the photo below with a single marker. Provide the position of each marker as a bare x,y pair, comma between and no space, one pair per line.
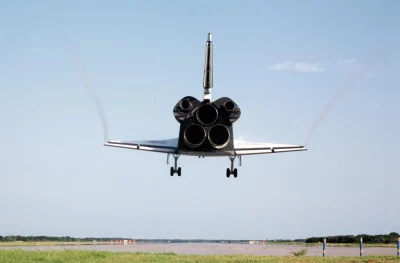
174,169
233,170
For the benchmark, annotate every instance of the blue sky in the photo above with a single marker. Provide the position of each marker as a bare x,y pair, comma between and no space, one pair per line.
281,61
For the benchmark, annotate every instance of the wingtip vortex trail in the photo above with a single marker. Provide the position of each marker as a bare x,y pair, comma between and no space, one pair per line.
328,107
83,73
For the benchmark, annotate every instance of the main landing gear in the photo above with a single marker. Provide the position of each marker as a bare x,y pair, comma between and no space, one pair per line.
174,169
177,170
233,170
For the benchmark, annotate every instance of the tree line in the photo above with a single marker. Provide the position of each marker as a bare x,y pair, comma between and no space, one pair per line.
375,239
52,239
19,238
346,239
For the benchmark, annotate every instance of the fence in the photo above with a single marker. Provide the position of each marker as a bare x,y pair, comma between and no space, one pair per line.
361,247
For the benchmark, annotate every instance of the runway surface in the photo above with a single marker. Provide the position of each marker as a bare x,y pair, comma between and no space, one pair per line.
218,249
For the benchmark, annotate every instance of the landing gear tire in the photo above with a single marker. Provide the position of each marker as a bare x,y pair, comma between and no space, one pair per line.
177,171
175,168
233,170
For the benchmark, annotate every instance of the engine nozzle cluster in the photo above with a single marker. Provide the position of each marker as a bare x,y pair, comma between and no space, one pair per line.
206,125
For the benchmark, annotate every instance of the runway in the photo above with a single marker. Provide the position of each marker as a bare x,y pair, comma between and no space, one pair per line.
220,249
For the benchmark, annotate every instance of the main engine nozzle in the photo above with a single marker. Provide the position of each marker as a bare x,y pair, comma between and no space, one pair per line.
219,136
194,135
207,114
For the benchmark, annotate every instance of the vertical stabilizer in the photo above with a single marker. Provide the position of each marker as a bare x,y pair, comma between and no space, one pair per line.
208,70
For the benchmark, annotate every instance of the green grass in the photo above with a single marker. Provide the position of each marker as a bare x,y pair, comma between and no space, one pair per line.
300,253
69,256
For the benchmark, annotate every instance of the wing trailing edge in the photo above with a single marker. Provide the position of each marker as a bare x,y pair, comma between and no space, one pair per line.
250,148
161,146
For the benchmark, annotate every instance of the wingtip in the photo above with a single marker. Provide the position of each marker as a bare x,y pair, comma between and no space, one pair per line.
107,143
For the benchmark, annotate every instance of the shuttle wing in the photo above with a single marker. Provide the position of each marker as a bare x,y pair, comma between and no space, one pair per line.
249,148
161,146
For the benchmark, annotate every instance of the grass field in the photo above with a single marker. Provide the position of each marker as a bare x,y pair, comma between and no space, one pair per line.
8,256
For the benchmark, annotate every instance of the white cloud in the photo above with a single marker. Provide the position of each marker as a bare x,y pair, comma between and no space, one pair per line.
351,64
305,67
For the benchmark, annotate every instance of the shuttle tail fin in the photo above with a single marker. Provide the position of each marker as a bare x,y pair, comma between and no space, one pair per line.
208,69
